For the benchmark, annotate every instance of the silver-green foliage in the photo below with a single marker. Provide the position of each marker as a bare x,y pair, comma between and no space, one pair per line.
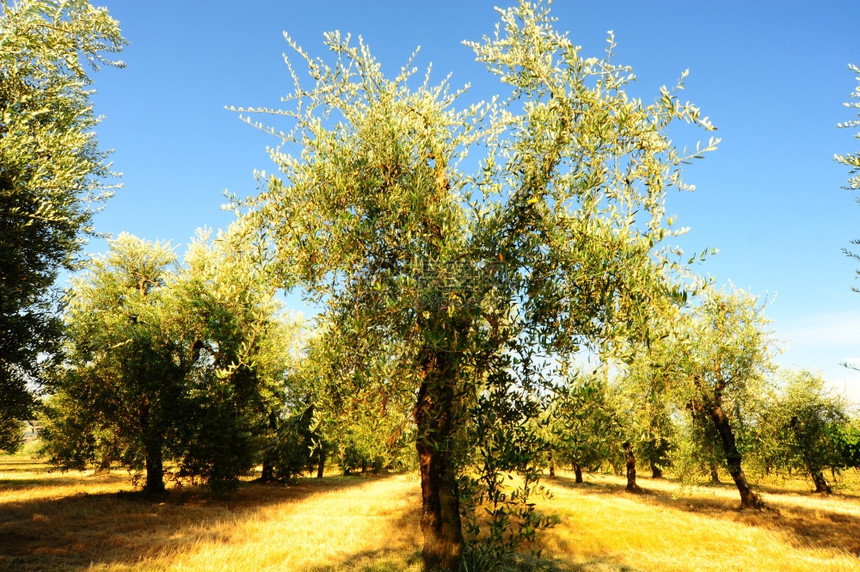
720,361
171,362
467,281
52,172
803,428
852,160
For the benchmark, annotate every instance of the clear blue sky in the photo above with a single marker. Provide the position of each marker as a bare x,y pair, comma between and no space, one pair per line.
772,76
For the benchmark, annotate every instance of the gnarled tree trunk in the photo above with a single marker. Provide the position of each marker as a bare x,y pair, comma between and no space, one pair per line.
630,461
440,516
154,471
733,457
267,475
820,482
715,473
577,471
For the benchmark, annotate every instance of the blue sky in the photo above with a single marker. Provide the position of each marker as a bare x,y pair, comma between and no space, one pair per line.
771,75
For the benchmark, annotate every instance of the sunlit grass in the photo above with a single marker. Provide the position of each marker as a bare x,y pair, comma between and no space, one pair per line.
669,528
77,521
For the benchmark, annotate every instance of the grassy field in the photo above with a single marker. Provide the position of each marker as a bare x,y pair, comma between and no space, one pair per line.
78,521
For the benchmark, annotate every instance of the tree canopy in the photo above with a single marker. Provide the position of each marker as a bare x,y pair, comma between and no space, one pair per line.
52,172
718,360
471,276
170,362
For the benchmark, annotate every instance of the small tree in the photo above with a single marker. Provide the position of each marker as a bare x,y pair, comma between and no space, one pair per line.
119,396
584,426
52,173
361,414
11,431
849,444
169,363
806,426
724,357
242,352
647,411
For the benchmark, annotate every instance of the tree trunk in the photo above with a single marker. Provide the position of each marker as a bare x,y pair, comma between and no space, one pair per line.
152,443
321,464
551,467
733,458
656,472
267,475
715,474
154,471
821,485
630,460
577,471
440,517
103,468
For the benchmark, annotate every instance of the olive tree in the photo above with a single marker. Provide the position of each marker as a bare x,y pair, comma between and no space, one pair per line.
243,351
648,412
584,426
470,277
118,395
849,443
52,173
169,362
803,427
365,425
724,358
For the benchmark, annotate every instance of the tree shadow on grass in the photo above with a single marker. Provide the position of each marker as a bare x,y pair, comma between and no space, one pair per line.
819,527
127,528
394,560
379,560
604,488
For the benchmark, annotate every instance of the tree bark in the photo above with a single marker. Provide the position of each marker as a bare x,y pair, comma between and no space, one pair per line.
715,474
440,517
321,464
152,443
154,471
630,460
551,467
818,479
267,475
577,471
656,472
733,458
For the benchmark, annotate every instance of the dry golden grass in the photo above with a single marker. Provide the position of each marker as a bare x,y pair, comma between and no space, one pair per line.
77,521
702,529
